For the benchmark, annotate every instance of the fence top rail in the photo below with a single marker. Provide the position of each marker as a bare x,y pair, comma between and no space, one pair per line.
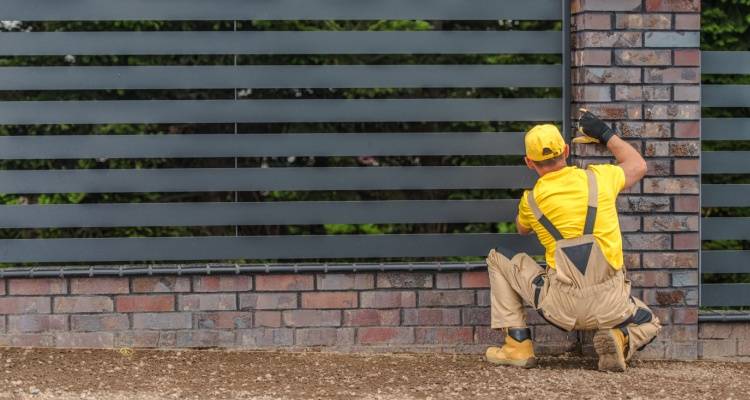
725,62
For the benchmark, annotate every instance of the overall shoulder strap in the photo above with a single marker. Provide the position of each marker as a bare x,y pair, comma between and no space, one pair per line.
588,228
546,223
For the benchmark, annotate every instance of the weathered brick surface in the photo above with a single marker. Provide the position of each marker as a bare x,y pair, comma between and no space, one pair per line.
358,281
161,284
329,300
314,318
388,299
176,320
222,283
99,286
144,303
83,304
35,323
267,301
99,322
85,340
432,316
25,305
285,282
265,337
404,280
385,335
207,302
223,320
372,317
37,286
324,337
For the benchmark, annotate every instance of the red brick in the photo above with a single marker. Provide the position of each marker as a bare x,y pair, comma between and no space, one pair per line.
671,185
382,299
144,303
432,316
385,335
673,5
83,304
161,284
297,318
646,241
614,111
288,282
485,335
608,39
99,322
687,204
592,93
444,335
475,316
644,21
649,278
223,320
630,129
167,321
329,300
267,301
670,223
89,340
207,302
685,315
686,241
475,279
632,260
37,286
687,57
664,297
99,285
592,57
672,75
358,281
37,323
404,280
266,337
222,283
267,319
429,298
688,130
687,167
448,280
670,260
606,75
371,317
590,21
324,337
25,305
608,5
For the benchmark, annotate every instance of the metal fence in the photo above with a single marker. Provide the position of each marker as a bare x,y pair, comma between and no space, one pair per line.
56,109
729,190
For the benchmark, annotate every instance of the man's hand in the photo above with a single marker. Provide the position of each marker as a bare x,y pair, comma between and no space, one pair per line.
596,130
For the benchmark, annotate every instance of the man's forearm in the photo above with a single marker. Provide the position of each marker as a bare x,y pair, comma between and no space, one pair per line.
629,159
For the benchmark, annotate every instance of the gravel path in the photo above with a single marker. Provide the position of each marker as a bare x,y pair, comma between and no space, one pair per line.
209,374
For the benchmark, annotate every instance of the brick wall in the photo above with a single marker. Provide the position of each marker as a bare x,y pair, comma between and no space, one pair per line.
725,340
436,311
637,64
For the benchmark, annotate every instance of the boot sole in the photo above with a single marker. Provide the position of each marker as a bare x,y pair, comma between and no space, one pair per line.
527,363
611,356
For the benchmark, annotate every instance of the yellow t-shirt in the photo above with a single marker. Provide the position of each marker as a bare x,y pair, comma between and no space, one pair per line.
563,197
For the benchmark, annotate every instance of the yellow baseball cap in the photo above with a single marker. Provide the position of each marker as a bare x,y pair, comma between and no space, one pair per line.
544,142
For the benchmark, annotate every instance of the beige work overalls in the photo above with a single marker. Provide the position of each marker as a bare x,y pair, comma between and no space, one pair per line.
584,292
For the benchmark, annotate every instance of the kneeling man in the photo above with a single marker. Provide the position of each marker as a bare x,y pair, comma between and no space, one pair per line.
573,213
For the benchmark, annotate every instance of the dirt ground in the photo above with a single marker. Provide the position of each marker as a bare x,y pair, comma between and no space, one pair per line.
214,374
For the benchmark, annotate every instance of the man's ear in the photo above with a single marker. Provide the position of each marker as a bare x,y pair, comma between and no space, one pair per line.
566,152
529,163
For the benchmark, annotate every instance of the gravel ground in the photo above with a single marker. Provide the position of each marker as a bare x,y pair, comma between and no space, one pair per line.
214,374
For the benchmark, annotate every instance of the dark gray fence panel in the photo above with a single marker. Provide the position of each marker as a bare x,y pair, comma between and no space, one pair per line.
725,162
260,145
195,10
725,96
725,228
280,42
253,179
725,195
262,247
725,262
246,111
725,62
725,294
260,213
279,76
725,129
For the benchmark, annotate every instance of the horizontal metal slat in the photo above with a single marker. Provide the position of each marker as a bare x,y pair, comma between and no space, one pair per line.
280,42
725,294
279,76
260,213
253,179
725,62
725,129
725,262
196,10
725,228
248,111
725,195
725,162
260,145
725,96
262,247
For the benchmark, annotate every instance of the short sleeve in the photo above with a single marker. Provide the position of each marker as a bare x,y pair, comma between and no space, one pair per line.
525,216
612,177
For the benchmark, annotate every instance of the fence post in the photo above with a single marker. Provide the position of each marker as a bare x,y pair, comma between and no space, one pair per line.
637,64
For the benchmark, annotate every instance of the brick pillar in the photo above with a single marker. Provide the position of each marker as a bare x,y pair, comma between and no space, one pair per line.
637,65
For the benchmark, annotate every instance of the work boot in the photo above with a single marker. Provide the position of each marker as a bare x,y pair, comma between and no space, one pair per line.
517,351
610,346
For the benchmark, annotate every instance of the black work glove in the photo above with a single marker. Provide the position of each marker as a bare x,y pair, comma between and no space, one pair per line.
591,126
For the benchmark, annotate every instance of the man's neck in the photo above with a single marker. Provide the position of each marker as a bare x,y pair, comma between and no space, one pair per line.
549,170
